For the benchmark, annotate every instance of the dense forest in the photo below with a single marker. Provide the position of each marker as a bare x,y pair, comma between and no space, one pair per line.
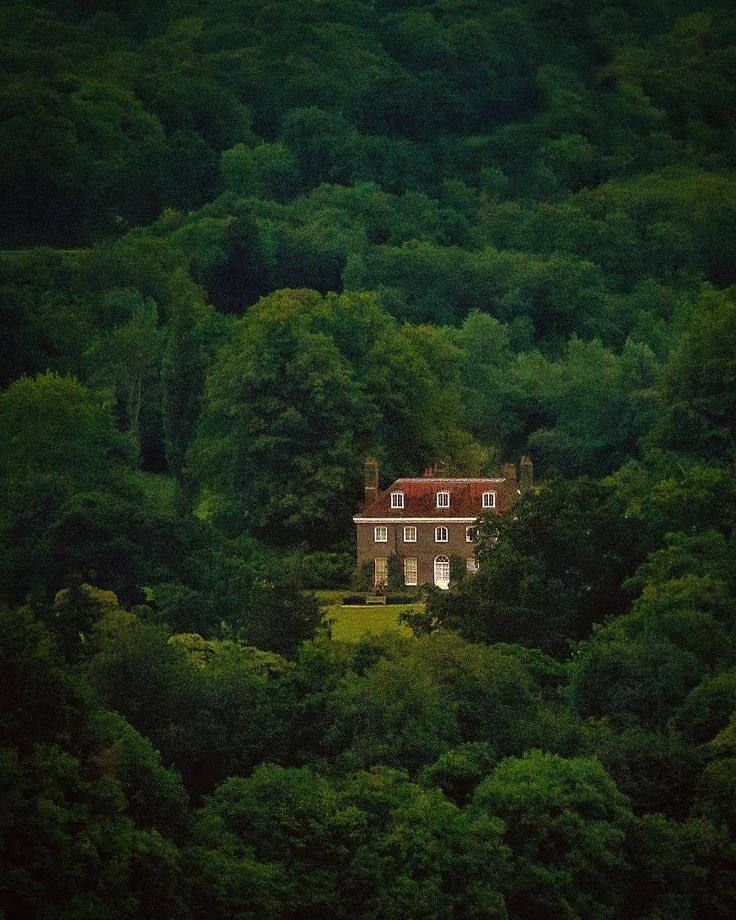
242,246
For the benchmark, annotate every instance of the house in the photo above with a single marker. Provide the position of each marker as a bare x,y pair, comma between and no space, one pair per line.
424,521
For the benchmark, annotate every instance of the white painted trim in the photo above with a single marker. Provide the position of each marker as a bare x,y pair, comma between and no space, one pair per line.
445,563
399,497
459,479
493,501
424,520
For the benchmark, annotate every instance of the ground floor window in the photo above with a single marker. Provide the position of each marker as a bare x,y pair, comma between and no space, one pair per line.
472,564
410,571
381,572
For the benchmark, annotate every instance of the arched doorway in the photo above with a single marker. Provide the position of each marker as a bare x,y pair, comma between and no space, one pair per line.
442,572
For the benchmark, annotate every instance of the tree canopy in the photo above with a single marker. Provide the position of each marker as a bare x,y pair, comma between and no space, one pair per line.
246,244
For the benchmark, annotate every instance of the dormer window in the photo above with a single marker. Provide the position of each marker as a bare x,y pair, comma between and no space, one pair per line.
489,499
443,499
397,499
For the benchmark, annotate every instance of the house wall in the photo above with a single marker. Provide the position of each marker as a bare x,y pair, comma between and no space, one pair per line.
424,550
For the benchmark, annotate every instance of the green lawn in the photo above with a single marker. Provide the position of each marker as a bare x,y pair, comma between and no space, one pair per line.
351,623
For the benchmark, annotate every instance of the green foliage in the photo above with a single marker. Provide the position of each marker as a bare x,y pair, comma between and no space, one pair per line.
566,824
354,599
305,388
395,573
326,569
245,246
230,705
548,571
293,840
364,576
458,569
699,393
89,812
70,501
458,771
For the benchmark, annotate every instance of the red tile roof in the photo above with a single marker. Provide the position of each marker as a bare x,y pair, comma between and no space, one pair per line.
420,498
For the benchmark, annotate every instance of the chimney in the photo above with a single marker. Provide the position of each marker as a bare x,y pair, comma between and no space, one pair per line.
508,471
371,481
526,474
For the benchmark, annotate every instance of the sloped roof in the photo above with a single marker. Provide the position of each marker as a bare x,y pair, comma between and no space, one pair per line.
420,498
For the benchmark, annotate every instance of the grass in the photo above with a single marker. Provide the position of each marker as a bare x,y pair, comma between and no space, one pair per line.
352,623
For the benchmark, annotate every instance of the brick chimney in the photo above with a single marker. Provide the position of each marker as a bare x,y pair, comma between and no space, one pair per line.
371,481
508,471
526,474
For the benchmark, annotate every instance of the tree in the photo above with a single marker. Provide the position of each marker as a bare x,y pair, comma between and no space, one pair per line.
566,826
288,841
549,569
89,811
127,360
601,405
189,338
57,442
699,386
307,386
221,707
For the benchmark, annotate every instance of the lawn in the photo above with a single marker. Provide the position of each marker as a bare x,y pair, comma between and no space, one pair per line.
351,623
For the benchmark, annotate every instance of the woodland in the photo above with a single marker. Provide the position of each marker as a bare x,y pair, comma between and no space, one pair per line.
243,245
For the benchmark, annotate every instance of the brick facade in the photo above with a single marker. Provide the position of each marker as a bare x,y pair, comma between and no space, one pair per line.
425,550
418,509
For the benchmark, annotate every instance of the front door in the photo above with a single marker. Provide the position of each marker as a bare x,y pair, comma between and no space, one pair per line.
442,572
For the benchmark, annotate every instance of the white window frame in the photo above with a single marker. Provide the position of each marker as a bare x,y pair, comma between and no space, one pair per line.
380,563
442,561
437,534
407,576
380,534
471,564
410,534
489,500
443,499
397,499
470,533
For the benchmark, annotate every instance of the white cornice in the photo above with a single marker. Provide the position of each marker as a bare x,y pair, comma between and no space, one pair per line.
415,520
449,481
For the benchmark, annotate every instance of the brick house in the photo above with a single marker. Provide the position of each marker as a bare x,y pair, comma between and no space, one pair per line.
424,521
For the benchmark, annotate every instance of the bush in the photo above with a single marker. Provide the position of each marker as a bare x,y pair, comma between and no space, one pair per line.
353,599
395,573
364,576
326,570
458,569
401,598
